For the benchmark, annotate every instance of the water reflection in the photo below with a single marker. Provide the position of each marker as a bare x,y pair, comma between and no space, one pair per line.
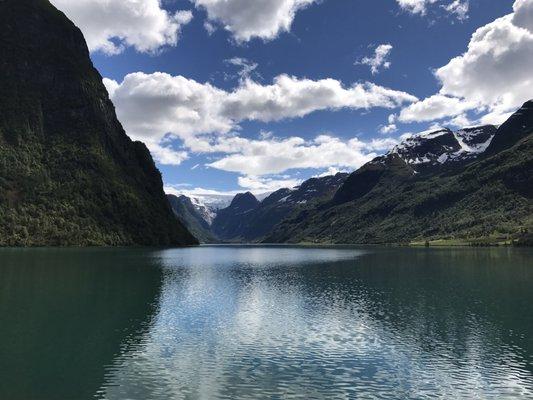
66,314
334,323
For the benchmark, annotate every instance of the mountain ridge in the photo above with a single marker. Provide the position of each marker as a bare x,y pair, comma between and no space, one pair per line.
439,157
389,201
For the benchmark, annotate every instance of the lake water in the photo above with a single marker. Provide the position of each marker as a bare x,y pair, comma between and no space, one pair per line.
266,322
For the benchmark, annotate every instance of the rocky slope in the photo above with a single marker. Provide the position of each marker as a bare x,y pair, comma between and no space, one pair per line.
422,154
252,222
69,175
195,219
231,221
470,184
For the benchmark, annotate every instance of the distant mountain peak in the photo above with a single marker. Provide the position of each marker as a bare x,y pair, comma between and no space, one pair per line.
247,219
244,201
437,147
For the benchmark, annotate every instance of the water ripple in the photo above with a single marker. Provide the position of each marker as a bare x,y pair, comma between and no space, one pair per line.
284,323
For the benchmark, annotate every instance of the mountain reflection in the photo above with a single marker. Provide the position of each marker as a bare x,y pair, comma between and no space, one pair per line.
67,313
243,322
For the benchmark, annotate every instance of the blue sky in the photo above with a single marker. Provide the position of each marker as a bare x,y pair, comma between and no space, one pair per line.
211,105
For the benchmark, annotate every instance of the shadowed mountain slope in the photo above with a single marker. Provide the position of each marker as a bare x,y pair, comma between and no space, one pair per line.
69,175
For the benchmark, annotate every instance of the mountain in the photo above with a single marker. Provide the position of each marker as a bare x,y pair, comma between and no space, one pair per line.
229,222
428,188
260,218
424,153
208,205
69,174
431,149
194,218
514,129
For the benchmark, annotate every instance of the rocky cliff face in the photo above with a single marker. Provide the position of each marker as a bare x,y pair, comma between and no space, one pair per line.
69,175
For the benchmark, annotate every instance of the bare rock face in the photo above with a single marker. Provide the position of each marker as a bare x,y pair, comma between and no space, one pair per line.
69,174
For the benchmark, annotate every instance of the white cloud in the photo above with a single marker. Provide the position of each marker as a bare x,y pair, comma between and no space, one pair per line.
112,25
156,107
435,107
493,75
246,67
246,19
495,118
331,171
209,27
258,184
415,6
460,121
496,69
391,127
380,59
386,129
274,156
458,8
167,155
214,198
523,14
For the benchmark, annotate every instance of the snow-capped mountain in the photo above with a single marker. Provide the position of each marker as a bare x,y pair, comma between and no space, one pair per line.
442,146
440,184
207,205
425,152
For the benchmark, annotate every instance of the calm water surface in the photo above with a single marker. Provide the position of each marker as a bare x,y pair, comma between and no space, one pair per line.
266,322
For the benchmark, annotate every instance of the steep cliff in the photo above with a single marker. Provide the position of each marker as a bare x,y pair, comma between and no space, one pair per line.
69,175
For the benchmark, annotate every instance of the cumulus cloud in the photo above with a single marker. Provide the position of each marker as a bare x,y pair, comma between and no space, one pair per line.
156,107
493,75
380,59
496,69
523,14
167,155
112,25
391,127
245,19
434,107
274,156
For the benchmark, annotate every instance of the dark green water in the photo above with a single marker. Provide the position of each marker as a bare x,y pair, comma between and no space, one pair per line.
266,322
